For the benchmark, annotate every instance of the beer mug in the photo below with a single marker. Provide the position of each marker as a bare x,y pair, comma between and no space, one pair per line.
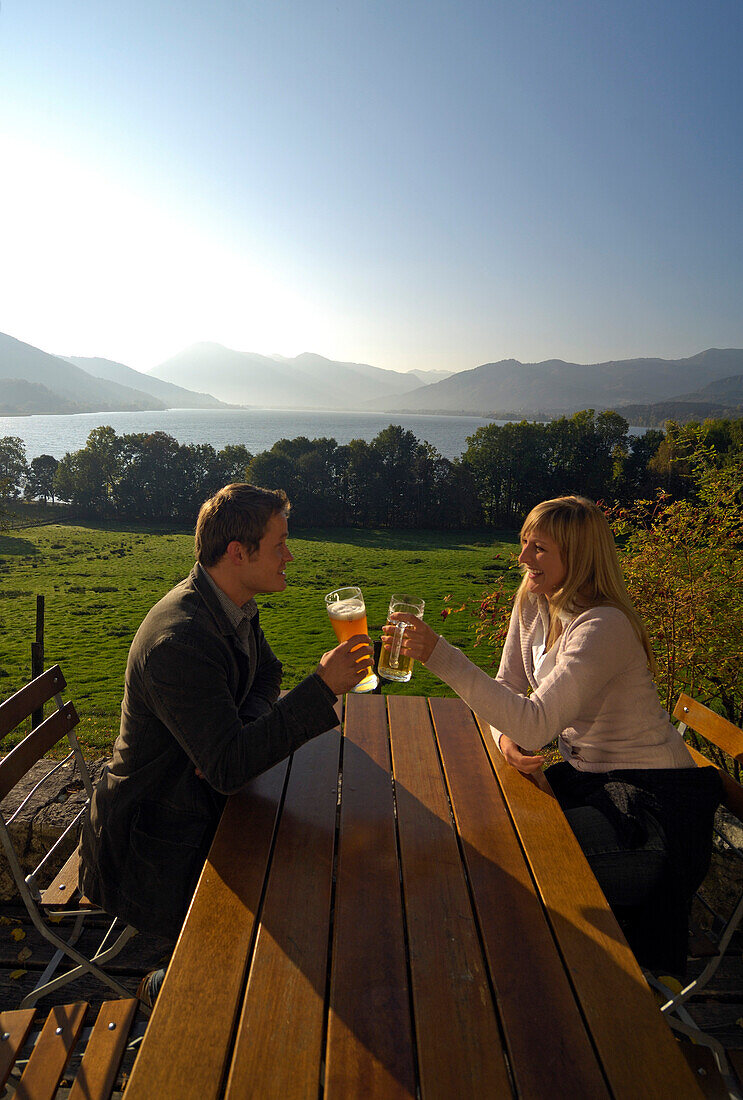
392,664
347,613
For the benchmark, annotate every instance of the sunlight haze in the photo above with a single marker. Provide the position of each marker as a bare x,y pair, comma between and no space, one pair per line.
422,185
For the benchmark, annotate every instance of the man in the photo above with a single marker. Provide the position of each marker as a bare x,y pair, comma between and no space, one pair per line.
201,714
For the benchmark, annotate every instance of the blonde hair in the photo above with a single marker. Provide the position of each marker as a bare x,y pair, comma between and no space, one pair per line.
593,575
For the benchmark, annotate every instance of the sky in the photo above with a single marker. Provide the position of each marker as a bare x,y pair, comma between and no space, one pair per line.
417,184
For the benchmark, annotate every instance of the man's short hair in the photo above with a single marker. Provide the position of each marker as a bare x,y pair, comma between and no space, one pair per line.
238,512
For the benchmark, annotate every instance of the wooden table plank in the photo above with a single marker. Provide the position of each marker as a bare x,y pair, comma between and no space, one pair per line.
545,1032
188,1038
279,1040
633,1041
370,1047
460,1052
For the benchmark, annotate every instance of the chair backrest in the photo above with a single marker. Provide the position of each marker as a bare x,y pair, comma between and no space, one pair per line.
719,732
35,745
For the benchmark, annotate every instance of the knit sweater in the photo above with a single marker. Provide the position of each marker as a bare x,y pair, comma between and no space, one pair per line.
599,698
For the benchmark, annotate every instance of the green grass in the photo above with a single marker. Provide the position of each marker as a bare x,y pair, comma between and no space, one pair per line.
100,581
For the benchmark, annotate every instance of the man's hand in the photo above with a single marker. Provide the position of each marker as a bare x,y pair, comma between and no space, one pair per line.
346,666
517,758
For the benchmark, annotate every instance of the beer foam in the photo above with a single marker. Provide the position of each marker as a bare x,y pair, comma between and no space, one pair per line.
347,609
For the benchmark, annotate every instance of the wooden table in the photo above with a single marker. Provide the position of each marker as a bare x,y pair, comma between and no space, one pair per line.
394,909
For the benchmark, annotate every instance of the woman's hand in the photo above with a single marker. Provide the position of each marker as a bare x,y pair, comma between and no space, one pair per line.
346,666
517,758
418,640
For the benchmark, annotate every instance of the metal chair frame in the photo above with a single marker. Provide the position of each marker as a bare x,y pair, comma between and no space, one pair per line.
41,911
692,715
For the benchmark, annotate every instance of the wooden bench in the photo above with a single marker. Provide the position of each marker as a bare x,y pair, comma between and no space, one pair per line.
55,1045
61,898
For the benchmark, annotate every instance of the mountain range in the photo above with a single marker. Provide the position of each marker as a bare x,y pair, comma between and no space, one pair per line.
210,376
554,387
306,382
33,381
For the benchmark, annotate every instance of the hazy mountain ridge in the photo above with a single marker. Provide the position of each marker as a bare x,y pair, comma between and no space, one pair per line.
307,381
21,398
721,399
554,387
33,381
172,395
69,383
212,376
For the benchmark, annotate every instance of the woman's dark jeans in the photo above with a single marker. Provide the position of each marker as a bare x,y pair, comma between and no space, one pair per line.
627,876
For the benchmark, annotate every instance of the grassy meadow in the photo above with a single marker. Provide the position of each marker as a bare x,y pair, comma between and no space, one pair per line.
99,581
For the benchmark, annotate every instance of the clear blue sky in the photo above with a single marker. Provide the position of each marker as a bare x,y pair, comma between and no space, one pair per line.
410,184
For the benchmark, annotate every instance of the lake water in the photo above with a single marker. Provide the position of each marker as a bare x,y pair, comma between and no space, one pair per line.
257,429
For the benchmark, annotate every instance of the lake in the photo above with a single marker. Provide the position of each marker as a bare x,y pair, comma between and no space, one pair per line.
257,429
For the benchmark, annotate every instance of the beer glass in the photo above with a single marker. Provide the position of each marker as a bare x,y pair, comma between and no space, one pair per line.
392,664
347,612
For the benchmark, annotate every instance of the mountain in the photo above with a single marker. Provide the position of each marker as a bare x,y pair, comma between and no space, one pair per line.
19,398
428,377
722,391
306,381
722,399
173,397
555,387
69,384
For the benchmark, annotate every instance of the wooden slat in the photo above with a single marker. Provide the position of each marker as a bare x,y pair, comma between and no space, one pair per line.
97,1073
732,792
16,1026
535,1001
459,1046
52,1052
186,1048
27,699
634,1044
370,1047
284,1007
35,745
712,726
64,886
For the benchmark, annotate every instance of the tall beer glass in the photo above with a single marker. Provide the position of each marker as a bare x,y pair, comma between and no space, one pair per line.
392,664
347,612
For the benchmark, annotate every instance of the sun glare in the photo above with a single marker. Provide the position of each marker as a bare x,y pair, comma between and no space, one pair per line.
119,275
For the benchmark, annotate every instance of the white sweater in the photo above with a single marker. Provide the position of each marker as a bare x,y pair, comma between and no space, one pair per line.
599,699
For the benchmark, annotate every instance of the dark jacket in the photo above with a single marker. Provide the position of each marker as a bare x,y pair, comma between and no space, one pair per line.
187,705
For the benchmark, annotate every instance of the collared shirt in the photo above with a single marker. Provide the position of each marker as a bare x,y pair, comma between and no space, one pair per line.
240,618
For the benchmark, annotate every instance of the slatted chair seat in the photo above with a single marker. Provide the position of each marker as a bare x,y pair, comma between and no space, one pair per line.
56,1043
48,903
713,943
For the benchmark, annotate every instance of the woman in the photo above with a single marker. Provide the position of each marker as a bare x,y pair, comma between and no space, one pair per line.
577,665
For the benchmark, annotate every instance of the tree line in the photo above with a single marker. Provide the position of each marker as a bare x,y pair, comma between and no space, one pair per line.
395,480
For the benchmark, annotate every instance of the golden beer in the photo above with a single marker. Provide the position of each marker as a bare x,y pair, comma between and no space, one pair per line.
347,613
394,665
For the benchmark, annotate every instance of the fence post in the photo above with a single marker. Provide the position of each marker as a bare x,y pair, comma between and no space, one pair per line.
37,657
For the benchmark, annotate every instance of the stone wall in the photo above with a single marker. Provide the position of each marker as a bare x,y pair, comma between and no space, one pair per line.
43,820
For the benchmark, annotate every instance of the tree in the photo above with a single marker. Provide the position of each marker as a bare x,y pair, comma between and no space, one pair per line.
89,478
40,478
234,460
684,570
12,465
150,484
